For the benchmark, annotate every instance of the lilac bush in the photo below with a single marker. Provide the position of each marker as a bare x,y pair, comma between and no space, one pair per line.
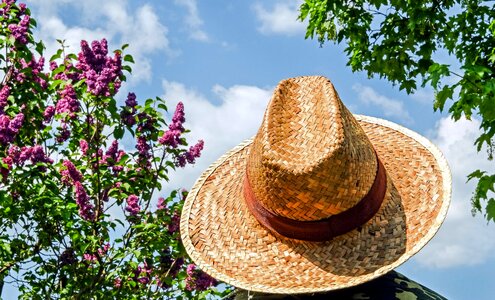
79,175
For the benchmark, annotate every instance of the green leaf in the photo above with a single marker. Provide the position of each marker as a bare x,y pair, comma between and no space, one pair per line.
129,58
118,133
490,210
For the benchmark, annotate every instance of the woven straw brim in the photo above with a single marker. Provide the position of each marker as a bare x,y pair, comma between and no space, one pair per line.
227,242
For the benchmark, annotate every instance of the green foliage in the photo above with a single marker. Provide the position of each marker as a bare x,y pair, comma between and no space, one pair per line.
398,40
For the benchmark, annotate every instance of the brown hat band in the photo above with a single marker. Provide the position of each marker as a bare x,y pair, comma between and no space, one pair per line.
326,229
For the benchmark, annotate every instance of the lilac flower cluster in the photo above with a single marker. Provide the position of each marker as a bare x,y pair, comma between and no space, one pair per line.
197,279
68,102
127,114
9,128
143,152
171,137
35,69
161,205
86,209
4,95
35,153
83,145
98,69
70,174
63,134
174,224
113,156
8,4
143,274
20,156
69,73
91,257
19,31
133,205
5,171
190,155
48,113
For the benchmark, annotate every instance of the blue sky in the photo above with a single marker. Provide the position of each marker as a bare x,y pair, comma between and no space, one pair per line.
222,59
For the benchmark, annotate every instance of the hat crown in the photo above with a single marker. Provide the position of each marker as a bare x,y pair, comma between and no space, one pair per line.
310,158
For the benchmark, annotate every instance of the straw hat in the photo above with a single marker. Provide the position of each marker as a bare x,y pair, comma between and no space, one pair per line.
319,200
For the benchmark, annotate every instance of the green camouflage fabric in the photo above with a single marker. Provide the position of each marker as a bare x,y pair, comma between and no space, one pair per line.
391,286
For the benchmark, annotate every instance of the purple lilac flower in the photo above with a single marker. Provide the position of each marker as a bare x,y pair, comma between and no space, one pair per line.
116,169
63,134
19,31
143,147
69,72
127,118
103,251
70,175
6,9
89,257
113,150
194,152
84,146
5,171
161,204
15,152
133,205
38,155
143,278
83,201
197,279
4,95
179,118
22,8
35,68
48,113
16,123
10,128
171,137
25,154
181,161
6,135
98,69
53,65
68,102
131,100
173,227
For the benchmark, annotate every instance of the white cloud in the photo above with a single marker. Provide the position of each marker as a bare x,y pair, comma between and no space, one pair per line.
193,20
222,126
463,239
390,107
280,19
113,20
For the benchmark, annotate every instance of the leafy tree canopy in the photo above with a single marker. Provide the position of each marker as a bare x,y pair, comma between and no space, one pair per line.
400,41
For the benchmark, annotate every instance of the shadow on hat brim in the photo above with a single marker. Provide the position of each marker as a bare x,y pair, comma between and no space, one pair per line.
227,242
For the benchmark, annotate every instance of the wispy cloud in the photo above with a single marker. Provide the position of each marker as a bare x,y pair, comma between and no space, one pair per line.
279,19
193,20
463,239
389,107
114,20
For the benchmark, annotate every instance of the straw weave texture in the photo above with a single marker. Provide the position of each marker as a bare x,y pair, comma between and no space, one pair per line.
227,242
